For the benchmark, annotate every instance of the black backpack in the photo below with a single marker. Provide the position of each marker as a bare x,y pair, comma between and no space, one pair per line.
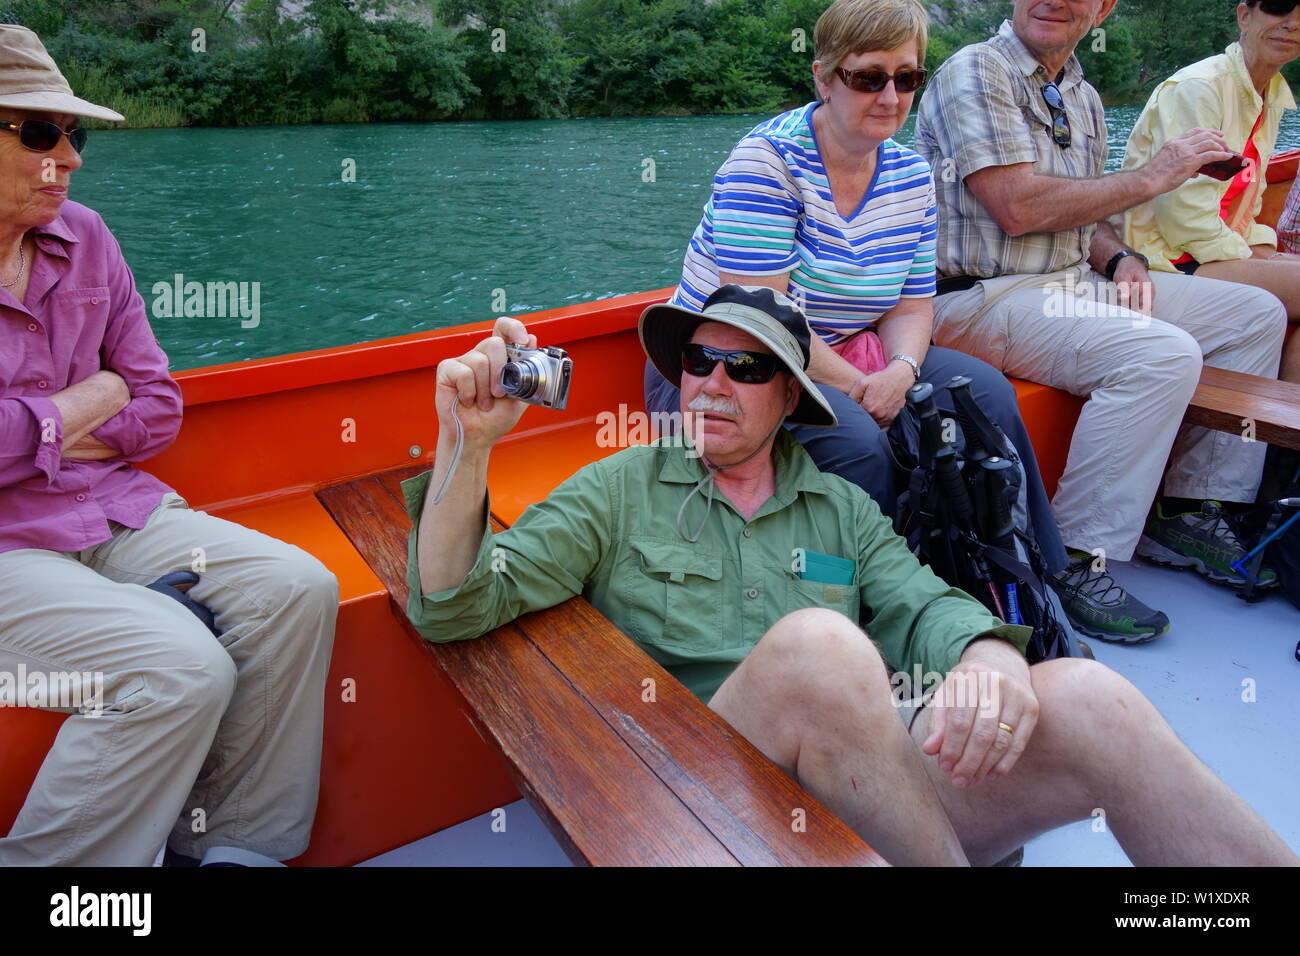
965,513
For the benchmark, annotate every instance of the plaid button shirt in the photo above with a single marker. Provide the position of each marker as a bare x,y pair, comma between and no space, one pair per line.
984,107
1288,224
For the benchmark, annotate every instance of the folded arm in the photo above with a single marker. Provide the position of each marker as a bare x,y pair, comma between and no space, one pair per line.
36,432
86,406
151,419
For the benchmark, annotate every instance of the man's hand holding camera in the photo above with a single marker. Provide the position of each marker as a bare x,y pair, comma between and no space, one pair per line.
474,381
479,397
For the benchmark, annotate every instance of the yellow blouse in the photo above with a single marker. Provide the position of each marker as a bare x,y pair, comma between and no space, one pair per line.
1216,93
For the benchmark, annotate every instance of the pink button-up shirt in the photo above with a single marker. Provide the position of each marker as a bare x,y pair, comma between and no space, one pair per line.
82,314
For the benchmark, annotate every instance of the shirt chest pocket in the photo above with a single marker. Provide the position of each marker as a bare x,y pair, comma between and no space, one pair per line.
803,593
1076,161
77,316
674,594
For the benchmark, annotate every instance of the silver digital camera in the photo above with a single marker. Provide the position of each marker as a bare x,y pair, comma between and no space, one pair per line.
537,376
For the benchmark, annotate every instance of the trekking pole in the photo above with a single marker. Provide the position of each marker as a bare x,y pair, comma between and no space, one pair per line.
983,439
949,480
1000,526
1272,533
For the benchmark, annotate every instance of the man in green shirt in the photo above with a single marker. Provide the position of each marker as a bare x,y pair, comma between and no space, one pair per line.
744,570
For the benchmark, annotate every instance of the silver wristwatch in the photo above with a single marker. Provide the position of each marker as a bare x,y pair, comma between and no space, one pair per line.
916,366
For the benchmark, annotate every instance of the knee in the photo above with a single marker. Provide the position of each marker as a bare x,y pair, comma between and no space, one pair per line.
816,655
1000,392
307,580
1090,698
1169,355
1268,316
197,677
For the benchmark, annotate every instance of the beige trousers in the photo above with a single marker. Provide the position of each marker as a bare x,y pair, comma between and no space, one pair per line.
196,741
1138,374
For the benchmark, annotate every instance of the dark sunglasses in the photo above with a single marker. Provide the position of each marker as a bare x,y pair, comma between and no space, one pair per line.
41,137
1060,122
873,81
1278,8
748,368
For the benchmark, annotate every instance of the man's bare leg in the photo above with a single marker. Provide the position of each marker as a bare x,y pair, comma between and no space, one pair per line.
813,696
1101,745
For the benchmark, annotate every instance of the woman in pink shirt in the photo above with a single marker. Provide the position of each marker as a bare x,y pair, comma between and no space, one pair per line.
208,700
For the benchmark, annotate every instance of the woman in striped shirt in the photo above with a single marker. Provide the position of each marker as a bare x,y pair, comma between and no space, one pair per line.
822,205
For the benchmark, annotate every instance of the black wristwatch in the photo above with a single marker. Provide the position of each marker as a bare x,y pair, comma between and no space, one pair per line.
1120,256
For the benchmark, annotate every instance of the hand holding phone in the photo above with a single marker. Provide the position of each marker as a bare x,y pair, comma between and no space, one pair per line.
1225,169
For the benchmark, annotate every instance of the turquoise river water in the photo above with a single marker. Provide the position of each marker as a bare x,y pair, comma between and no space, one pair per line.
353,233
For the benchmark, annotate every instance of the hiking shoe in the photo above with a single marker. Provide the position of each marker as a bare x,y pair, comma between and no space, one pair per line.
1100,608
1204,541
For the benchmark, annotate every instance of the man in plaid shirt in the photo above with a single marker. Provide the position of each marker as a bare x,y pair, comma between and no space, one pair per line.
1036,281
1288,224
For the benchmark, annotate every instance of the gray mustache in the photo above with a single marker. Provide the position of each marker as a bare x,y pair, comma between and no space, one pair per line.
706,403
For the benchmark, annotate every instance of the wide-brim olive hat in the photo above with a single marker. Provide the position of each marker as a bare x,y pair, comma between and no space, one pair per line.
29,79
765,314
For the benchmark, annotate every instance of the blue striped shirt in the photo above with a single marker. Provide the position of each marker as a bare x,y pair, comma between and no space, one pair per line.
771,212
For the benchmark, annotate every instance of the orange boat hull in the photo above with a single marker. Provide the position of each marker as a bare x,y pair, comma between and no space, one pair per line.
260,438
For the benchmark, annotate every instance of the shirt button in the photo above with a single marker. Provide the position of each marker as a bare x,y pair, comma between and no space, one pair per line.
81,497
42,384
94,300
747,533
32,327
752,593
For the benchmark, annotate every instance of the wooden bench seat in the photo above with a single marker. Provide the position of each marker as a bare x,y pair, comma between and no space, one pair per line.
1227,401
617,779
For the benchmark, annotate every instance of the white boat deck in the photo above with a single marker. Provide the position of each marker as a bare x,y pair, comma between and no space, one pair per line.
1196,675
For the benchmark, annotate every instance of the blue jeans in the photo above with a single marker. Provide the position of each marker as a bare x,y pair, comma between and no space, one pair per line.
858,449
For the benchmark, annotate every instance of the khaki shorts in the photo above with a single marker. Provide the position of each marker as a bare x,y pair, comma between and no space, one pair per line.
908,709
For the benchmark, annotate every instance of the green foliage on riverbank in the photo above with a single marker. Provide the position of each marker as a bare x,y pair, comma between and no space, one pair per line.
201,62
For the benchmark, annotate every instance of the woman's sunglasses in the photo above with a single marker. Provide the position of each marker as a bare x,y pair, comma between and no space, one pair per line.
1060,122
41,137
873,81
748,368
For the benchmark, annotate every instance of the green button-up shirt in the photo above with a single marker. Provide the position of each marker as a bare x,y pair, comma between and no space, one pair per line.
610,533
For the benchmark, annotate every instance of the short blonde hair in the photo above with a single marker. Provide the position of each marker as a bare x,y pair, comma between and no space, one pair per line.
862,26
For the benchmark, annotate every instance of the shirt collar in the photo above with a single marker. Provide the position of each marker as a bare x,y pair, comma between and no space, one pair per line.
1278,90
1028,65
57,229
795,470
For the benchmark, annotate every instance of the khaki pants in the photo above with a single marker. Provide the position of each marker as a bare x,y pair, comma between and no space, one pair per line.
201,741
1138,374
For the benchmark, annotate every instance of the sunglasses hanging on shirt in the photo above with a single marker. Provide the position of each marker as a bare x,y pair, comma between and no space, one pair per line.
1060,122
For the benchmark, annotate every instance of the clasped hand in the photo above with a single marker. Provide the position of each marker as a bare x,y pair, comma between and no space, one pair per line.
980,698
882,394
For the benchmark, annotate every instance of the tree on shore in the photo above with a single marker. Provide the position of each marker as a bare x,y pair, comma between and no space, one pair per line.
231,62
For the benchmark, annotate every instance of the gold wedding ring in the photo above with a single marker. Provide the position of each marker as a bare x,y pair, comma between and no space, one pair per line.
1007,727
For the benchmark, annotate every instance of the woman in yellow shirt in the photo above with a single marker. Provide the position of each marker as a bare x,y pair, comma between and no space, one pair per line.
1208,226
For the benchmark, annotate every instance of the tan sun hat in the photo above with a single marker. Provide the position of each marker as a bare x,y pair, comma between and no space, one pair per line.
29,79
